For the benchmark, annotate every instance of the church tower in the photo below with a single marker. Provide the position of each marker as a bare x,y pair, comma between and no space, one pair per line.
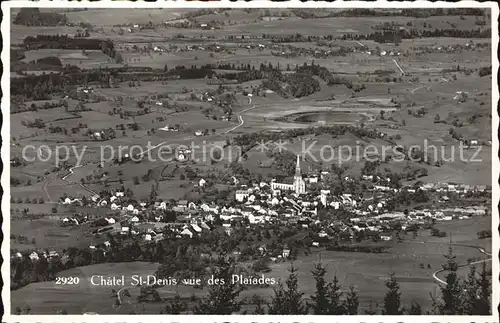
299,184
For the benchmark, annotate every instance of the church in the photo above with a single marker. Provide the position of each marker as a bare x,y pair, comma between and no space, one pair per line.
298,186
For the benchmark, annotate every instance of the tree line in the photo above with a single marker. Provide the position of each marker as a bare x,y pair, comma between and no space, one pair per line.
395,36
65,42
33,17
458,296
415,13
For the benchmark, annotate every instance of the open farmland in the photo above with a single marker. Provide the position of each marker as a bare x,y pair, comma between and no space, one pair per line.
186,143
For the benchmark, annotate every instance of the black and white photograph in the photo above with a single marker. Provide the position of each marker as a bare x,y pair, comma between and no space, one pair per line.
218,158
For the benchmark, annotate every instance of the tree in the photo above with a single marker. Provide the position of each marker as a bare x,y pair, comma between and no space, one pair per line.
477,292
415,309
176,306
484,292
451,292
352,301
222,298
320,298
392,299
326,300
153,194
289,300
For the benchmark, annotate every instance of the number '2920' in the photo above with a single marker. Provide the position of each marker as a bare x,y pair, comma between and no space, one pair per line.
67,280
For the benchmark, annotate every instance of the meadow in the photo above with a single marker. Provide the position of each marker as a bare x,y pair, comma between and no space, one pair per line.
404,259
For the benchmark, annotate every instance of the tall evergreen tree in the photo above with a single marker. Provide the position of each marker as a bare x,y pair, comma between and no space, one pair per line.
483,306
352,301
477,292
222,298
326,300
470,292
451,292
176,306
320,298
415,309
392,299
288,300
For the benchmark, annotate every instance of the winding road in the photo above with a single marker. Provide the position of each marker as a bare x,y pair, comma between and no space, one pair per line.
71,172
463,265
240,119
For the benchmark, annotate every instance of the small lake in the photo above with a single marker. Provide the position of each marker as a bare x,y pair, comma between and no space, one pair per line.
328,117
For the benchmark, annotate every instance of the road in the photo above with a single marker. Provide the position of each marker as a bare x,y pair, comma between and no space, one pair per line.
71,172
463,265
44,187
240,118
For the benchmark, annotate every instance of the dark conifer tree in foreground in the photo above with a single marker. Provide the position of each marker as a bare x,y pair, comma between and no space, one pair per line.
326,300
451,292
477,290
352,301
415,309
483,302
176,306
392,299
222,298
288,300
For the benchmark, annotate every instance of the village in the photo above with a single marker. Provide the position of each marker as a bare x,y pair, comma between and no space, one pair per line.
270,203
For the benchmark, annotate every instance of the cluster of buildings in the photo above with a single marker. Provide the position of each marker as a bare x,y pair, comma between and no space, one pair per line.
273,202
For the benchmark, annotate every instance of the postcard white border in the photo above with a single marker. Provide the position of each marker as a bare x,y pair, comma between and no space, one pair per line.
5,154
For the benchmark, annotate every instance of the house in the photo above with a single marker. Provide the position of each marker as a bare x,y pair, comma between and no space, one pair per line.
182,204
187,232
196,228
285,253
34,256
162,206
205,226
202,182
241,195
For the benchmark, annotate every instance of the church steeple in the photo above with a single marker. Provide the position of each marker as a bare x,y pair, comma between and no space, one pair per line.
297,167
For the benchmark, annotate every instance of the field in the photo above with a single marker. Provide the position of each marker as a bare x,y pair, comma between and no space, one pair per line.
403,259
81,298
50,235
